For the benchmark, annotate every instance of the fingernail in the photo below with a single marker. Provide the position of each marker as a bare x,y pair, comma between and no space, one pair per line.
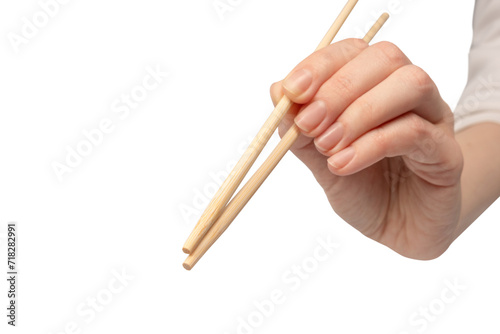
309,118
298,82
330,138
342,158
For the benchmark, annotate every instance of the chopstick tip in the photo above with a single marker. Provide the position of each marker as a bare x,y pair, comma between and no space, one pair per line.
187,266
186,250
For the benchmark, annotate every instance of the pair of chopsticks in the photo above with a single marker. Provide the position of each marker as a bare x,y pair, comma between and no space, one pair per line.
218,216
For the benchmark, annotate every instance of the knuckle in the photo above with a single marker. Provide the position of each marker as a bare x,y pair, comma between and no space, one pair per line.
320,60
380,139
419,80
417,126
343,84
366,108
390,53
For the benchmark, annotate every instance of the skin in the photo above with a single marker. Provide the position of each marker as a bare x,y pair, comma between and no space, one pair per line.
379,139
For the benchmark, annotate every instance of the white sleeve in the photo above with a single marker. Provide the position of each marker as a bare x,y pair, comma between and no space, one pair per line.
480,101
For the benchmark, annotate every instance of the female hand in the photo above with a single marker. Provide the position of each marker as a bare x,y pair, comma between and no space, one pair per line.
379,139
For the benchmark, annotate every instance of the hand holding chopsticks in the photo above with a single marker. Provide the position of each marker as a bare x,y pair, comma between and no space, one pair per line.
217,217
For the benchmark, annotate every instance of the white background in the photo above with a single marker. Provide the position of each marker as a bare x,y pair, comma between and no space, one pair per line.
120,209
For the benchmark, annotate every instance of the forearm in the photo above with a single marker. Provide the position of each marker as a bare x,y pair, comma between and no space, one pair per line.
481,174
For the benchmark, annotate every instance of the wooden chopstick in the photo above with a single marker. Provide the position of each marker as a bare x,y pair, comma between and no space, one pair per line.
234,179
376,27
249,189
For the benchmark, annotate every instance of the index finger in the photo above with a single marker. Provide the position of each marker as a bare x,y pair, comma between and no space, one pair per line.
307,77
